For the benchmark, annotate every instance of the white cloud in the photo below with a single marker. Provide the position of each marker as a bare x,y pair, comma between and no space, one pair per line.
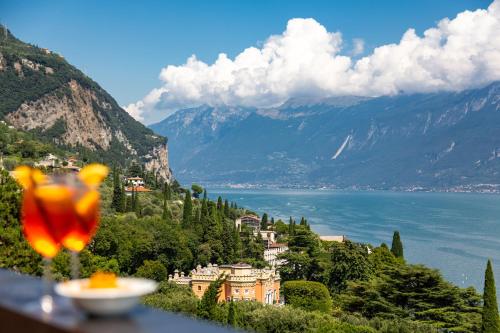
358,46
306,60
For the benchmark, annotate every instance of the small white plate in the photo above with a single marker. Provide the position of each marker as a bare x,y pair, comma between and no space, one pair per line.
106,301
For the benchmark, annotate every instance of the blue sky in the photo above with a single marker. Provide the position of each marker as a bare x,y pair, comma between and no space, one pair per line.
124,44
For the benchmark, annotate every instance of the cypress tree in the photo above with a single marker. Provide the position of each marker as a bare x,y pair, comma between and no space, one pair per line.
128,203
272,220
231,316
205,194
302,221
166,215
238,246
208,303
263,223
219,204
135,206
490,319
167,191
226,208
188,209
397,245
118,201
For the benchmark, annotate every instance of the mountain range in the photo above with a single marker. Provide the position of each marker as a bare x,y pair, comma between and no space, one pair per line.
446,140
42,93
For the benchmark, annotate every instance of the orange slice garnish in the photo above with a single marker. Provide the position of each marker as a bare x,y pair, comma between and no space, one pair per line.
87,203
27,176
22,174
93,174
102,280
53,193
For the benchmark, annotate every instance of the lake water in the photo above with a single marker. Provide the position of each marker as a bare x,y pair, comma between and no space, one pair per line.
454,232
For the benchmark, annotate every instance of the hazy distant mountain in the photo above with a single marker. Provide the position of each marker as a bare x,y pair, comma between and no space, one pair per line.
435,140
41,92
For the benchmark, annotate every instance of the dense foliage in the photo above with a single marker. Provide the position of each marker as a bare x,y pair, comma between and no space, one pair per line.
308,295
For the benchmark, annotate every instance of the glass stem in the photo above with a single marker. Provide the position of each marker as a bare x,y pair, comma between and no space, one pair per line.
47,301
75,265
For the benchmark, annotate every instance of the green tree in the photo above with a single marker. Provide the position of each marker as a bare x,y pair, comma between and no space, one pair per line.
197,190
349,263
167,191
118,201
208,303
231,315
187,214
263,222
152,269
173,297
219,204
308,295
226,208
136,207
135,170
166,214
490,319
15,253
397,245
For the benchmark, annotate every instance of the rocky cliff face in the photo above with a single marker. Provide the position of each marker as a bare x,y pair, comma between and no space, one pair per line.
157,162
75,111
41,92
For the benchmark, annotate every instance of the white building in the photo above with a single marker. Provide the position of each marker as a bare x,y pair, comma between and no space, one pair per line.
49,161
338,238
271,254
135,181
251,221
268,236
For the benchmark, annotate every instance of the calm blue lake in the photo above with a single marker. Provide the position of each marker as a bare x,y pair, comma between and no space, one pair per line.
454,232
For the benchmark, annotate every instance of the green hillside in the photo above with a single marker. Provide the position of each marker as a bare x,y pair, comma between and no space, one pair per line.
29,73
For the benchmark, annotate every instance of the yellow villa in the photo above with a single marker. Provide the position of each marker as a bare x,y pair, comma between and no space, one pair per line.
243,283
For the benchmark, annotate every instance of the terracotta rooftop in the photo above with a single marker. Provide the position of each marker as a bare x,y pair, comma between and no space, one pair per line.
137,189
277,245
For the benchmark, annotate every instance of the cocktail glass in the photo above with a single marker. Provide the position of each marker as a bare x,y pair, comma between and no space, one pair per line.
59,210
85,219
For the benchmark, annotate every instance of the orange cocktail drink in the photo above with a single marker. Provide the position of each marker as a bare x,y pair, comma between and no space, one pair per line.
59,210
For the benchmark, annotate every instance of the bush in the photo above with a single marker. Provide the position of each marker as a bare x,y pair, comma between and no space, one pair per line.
152,269
259,318
308,295
172,297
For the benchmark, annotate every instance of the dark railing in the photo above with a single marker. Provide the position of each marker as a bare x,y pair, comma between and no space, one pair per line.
17,315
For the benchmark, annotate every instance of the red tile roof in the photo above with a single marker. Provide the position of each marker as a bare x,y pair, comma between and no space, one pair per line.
137,189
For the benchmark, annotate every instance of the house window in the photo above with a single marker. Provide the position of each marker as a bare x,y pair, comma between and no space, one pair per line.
236,291
246,291
199,288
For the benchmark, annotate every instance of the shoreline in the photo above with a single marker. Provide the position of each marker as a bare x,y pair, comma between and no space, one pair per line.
475,189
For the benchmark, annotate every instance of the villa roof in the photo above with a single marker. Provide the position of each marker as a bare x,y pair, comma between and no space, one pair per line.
242,265
253,217
137,189
134,178
278,245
